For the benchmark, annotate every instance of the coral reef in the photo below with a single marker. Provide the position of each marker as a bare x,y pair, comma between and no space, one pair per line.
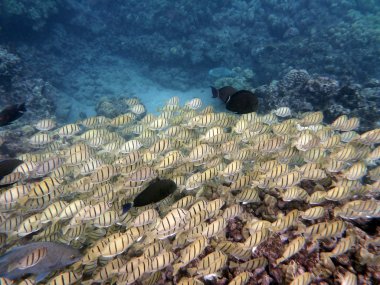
269,35
240,79
111,107
339,37
18,85
304,92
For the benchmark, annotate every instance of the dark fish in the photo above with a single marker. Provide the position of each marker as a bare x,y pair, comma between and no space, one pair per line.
127,207
223,93
58,256
242,102
11,113
7,166
155,192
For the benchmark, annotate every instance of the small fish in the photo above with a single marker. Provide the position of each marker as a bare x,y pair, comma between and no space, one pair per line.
130,146
293,248
332,229
232,211
45,125
194,104
257,225
122,120
294,193
209,265
117,246
171,223
146,217
241,279
131,101
302,279
159,262
158,124
138,109
191,252
313,213
344,245
215,228
57,257
311,118
306,141
11,113
356,171
68,130
256,239
283,112
338,193
339,122
40,139
130,277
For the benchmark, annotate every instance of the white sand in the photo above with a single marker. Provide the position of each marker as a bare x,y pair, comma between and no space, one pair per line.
115,77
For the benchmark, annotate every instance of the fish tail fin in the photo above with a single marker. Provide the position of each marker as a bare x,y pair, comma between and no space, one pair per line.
177,267
12,237
279,260
76,172
126,207
192,271
215,92
233,264
22,201
42,276
22,107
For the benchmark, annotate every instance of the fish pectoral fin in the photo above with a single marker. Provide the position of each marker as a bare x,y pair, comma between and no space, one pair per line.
42,276
13,266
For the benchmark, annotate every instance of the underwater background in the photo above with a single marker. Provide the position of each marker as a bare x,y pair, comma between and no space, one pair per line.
109,98
63,56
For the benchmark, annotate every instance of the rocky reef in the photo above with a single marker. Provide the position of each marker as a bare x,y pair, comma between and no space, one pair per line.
303,92
17,85
268,36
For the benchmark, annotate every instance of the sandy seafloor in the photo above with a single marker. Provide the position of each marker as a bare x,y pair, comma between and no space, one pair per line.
111,76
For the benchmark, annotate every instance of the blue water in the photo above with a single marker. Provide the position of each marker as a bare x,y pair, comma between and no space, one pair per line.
87,50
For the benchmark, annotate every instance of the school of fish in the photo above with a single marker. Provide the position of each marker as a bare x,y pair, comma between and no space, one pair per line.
254,192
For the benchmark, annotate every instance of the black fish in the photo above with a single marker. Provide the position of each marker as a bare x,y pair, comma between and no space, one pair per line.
223,93
155,192
11,113
58,256
127,207
242,102
7,166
